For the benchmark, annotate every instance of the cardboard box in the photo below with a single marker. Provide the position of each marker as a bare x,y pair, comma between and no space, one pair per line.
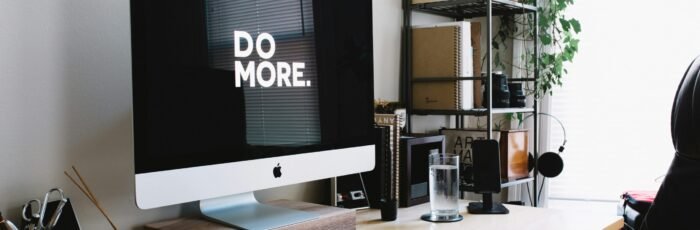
514,151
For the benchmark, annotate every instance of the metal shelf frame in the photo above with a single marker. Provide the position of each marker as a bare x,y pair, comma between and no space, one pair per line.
455,78
472,112
473,8
459,10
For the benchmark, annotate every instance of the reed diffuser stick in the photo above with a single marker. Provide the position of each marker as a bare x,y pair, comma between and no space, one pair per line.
85,189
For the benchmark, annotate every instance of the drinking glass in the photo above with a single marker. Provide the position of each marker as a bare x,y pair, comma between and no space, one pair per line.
444,188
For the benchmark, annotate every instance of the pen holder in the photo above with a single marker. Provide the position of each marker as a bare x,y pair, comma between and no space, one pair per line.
389,209
66,221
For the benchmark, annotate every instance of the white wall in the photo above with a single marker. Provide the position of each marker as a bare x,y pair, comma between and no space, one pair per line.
387,20
65,99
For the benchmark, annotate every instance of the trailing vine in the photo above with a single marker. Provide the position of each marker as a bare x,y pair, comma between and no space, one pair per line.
558,43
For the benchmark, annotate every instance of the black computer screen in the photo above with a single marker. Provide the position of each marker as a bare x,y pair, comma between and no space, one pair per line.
218,81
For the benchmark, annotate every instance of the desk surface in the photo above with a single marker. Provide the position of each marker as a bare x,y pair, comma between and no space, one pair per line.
520,218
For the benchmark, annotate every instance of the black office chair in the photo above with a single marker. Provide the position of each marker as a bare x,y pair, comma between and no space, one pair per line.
677,204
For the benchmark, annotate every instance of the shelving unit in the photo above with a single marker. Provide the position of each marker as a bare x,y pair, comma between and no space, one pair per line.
460,10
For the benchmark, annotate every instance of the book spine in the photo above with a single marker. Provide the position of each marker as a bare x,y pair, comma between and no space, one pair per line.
397,157
466,64
458,66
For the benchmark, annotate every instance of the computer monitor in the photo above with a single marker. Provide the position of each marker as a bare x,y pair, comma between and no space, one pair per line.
233,96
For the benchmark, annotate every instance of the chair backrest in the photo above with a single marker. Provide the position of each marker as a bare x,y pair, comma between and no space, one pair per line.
677,204
685,118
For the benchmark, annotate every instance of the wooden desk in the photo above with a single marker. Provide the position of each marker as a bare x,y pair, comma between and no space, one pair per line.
520,218
331,218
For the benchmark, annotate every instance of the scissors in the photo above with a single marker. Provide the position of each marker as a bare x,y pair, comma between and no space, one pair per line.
35,220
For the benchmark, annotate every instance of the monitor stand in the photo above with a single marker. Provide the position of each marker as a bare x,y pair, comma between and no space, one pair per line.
487,206
244,211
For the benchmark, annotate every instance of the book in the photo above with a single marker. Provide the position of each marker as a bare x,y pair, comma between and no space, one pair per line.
380,183
391,121
476,57
439,51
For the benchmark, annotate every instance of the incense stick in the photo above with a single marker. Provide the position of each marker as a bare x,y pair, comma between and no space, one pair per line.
88,193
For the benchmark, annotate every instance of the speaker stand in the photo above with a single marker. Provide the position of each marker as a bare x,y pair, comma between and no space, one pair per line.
487,207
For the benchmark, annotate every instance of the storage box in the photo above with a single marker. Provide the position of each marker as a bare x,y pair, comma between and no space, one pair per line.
514,149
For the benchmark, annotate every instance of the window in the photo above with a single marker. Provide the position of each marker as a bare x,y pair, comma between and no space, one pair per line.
616,101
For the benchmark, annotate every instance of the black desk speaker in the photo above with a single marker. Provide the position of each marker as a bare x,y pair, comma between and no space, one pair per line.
487,177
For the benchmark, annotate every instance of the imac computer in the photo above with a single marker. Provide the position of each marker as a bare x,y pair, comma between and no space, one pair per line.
233,96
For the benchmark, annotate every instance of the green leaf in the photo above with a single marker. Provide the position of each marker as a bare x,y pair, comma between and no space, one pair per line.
564,24
544,21
561,5
558,67
576,25
545,60
546,39
509,116
574,44
566,55
497,59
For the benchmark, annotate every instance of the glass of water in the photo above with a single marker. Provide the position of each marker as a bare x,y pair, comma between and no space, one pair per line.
444,188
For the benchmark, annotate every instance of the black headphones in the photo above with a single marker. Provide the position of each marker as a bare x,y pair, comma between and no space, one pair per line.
549,164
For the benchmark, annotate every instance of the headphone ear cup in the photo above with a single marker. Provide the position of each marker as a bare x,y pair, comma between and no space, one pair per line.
530,162
550,164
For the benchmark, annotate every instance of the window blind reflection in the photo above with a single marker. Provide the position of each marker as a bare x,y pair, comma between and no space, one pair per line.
276,115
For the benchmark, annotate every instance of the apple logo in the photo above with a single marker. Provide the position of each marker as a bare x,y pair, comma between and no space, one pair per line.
277,171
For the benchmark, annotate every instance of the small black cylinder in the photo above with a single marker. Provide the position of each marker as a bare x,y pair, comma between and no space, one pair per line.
499,91
389,209
517,95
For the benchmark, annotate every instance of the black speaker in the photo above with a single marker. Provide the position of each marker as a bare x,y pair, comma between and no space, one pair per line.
550,164
486,166
487,177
